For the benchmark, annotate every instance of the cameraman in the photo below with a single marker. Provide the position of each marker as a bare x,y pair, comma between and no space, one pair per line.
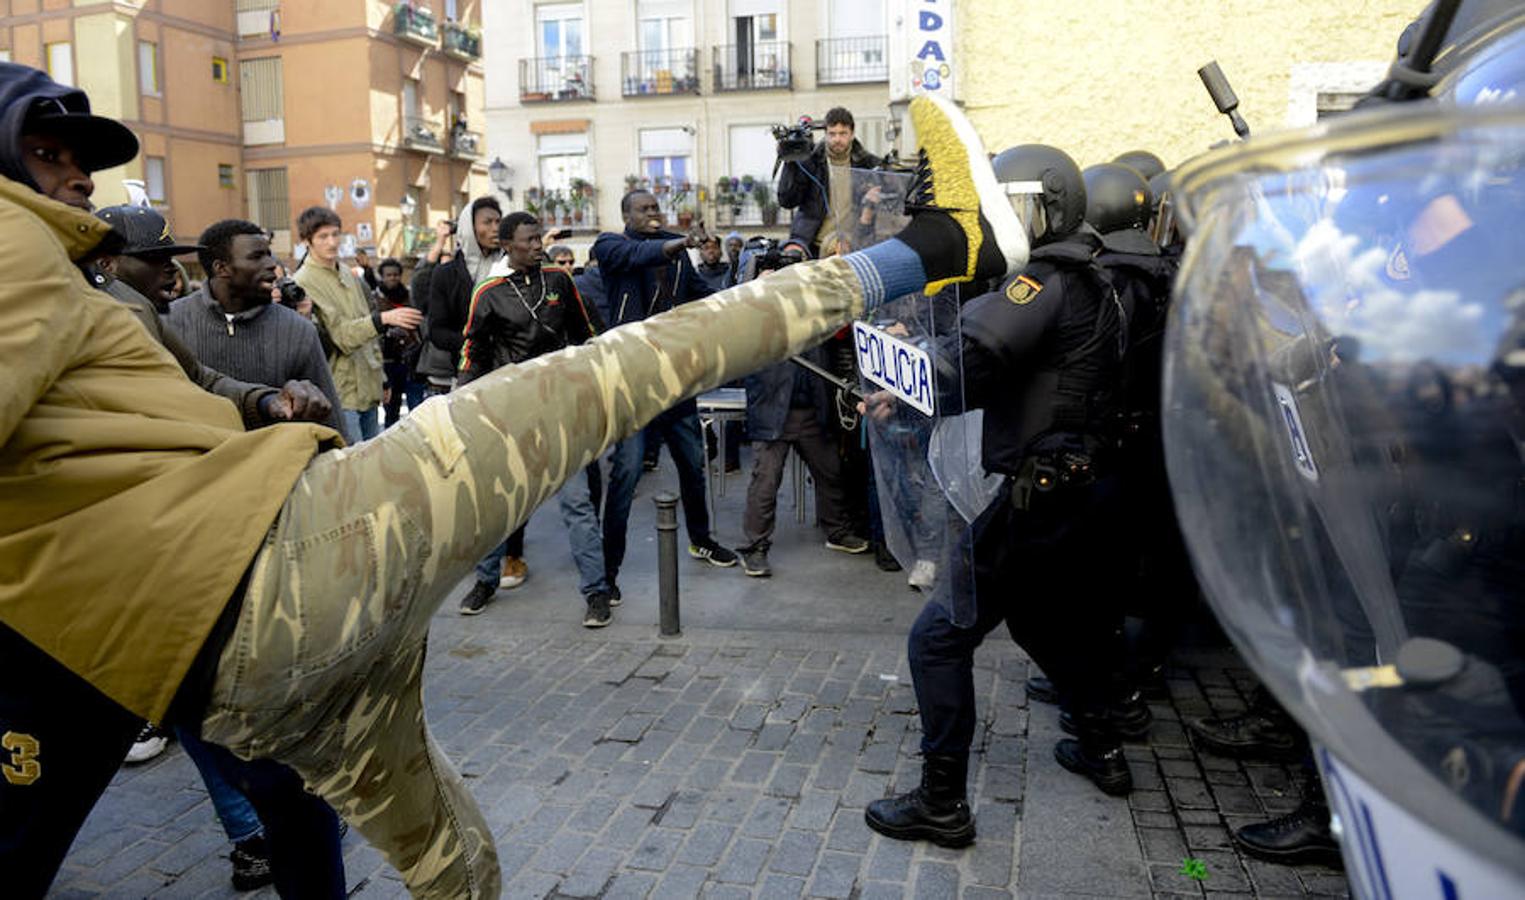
828,210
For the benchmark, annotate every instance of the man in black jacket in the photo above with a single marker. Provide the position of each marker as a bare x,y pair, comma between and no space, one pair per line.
822,193
450,286
527,312
646,270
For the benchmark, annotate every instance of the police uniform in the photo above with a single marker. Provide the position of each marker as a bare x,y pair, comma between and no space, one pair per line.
1041,357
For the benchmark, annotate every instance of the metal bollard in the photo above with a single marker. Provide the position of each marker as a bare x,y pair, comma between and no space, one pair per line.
667,562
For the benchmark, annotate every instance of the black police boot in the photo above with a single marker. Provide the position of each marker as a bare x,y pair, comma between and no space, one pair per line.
1129,717
1264,731
1041,690
1298,838
1097,754
933,811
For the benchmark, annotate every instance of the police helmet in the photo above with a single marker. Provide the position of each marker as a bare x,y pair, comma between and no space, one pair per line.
1117,198
1046,187
1147,164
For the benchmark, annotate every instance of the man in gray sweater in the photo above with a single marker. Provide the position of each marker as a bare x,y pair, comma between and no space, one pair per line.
232,325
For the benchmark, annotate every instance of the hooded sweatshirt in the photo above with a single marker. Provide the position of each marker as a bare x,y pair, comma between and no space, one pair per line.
450,290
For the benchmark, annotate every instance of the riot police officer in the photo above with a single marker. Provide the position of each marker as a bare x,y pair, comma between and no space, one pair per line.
1041,356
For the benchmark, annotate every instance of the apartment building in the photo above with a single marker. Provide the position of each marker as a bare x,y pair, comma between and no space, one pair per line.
587,98
259,108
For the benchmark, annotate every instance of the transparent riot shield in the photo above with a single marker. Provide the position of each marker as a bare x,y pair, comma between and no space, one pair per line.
1344,419
925,447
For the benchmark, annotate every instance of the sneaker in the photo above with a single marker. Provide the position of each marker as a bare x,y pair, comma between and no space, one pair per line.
923,575
598,611
481,594
712,553
150,743
755,563
962,225
848,543
615,598
251,864
515,570
884,559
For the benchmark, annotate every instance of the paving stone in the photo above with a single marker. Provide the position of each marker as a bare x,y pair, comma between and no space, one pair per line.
731,804
864,788
836,874
813,811
1003,783
787,780
773,736
1152,801
1236,800
1271,880
1142,819
703,729
1180,768
1169,880
531,885
997,821
795,853
790,708
656,849
706,843
681,882
681,811
767,818
781,887
890,860
1162,844
754,767
879,757
655,791
626,828
1223,870
743,862
560,853
880,890
848,832
936,881
707,774
592,873
1189,793
1326,885
989,862
804,748
725,892
976,892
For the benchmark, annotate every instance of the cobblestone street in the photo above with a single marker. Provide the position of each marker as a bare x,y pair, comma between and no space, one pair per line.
735,761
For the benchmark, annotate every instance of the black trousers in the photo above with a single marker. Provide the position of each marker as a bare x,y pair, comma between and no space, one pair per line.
1042,571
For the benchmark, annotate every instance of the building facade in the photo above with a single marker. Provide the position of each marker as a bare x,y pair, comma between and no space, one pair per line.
258,108
588,98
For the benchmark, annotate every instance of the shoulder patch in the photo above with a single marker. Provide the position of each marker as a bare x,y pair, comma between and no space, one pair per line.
1023,289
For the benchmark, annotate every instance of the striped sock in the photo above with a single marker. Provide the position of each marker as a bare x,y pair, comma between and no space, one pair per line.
888,270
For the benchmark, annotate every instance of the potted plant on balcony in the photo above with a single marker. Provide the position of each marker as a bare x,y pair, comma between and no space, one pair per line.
763,194
580,196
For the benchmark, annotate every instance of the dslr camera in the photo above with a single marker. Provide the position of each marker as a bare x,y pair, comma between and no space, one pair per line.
795,141
292,294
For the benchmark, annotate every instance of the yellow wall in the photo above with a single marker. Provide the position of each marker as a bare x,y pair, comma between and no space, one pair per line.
1101,77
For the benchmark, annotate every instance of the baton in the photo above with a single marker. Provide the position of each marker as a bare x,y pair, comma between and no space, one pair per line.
830,378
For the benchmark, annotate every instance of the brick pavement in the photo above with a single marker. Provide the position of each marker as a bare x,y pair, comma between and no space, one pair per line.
735,761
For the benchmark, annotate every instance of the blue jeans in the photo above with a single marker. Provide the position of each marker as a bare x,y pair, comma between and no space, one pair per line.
234,810
359,425
581,518
679,429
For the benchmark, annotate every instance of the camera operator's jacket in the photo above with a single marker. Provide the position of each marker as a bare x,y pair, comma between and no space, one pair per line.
131,500
342,310
797,191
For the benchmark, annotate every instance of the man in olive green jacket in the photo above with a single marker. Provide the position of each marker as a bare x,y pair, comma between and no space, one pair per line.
160,556
351,325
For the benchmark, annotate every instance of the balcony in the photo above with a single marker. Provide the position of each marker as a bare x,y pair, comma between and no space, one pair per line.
462,43
763,66
415,25
420,134
854,60
574,207
466,144
555,78
657,73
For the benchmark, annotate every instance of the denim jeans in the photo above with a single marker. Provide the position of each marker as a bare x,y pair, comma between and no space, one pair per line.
400,380
581,518
359,425
490,569
679,429
234,810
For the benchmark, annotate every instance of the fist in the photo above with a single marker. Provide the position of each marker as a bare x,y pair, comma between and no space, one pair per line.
300,401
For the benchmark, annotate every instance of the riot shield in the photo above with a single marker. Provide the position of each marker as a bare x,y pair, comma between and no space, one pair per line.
928,481
1344,410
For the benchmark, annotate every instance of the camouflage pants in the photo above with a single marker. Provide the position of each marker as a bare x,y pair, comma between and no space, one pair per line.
324,669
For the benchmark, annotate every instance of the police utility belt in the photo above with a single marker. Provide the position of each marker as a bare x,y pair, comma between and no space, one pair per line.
1046,473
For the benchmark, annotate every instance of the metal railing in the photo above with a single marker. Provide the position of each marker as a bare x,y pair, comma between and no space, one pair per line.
551,78
420,134
761,66
647,73
414,24
461,42
854,60
466,144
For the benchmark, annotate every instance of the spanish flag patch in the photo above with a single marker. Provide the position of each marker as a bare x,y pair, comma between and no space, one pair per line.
1023,289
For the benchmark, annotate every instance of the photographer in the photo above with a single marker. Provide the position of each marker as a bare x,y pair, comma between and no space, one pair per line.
828,208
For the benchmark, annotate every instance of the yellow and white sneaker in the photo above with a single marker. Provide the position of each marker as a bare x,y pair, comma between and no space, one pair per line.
955,185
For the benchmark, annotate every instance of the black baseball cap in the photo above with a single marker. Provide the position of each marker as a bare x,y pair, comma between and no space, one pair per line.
143,230
98,142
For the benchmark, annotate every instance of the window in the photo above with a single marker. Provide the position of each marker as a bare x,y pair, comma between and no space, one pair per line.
263,100
562,158
5,55
148,68
219,70
752,151
410,98
225,175
666,155
559,30
269,203
451,12
664,25
153,174
856,18
61,63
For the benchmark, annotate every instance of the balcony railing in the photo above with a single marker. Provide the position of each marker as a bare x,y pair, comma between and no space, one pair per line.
466,144
761,66
415,24
649,73
421,134
575,208
462,43
854,60
552,78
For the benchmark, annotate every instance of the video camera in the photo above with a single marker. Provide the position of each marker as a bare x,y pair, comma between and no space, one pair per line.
794,141
764,254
